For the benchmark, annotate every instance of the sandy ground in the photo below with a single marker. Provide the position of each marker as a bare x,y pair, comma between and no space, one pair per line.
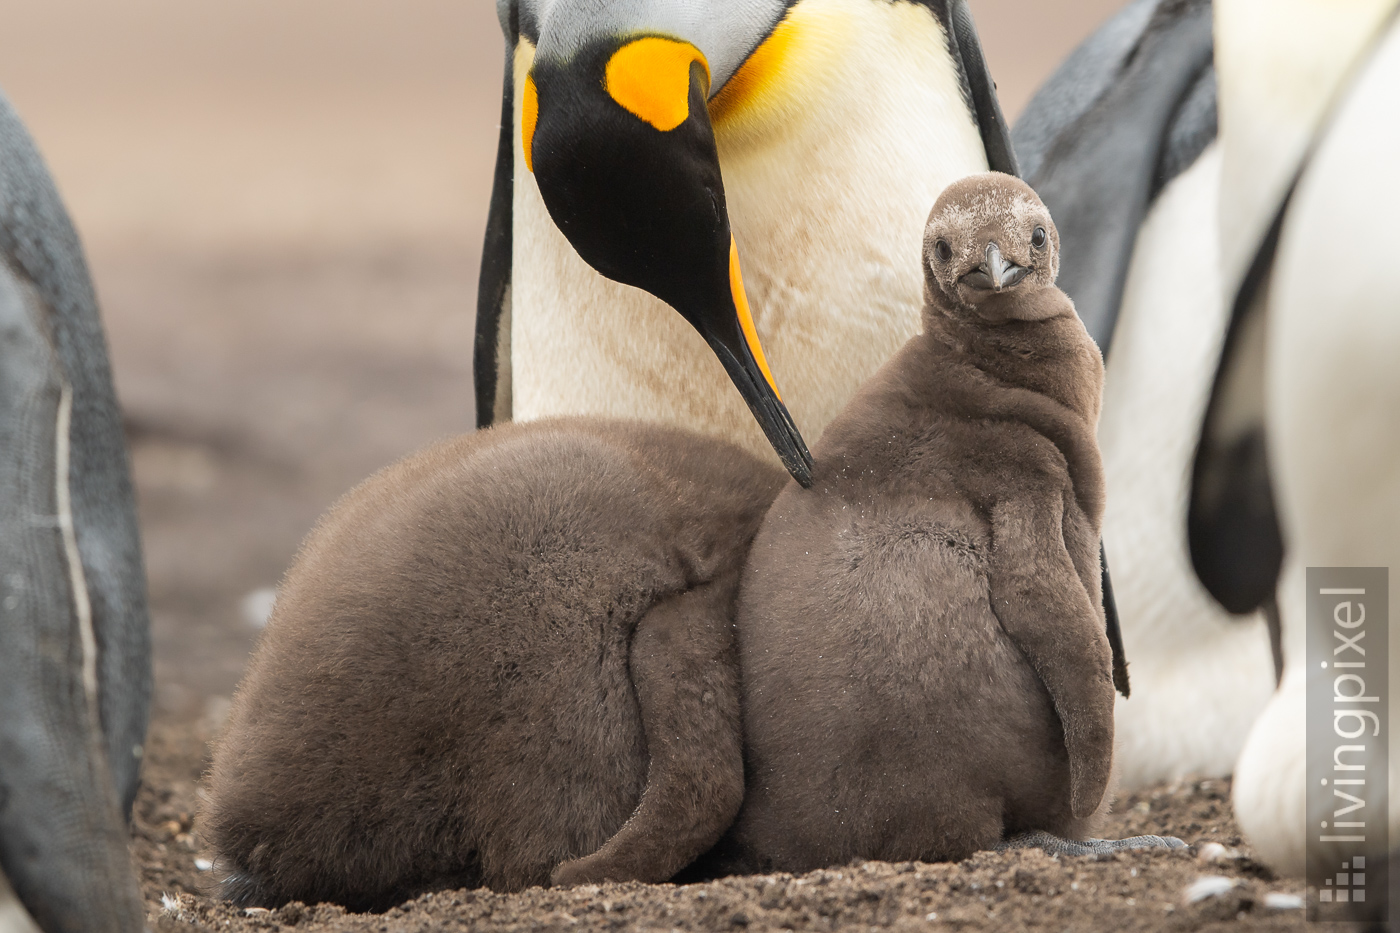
282,204
1021,890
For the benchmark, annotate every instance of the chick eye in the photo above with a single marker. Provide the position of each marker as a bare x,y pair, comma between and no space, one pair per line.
942,251
1038,238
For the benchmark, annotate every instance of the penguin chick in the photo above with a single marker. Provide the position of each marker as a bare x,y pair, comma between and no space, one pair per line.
506,660
922,651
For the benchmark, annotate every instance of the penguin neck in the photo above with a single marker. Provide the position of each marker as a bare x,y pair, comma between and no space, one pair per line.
1046,374
1053,359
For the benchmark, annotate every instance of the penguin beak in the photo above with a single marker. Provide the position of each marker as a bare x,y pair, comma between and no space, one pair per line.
995,272
733,338
620,142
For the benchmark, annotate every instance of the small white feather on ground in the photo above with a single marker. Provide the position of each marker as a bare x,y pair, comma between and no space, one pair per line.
1207,886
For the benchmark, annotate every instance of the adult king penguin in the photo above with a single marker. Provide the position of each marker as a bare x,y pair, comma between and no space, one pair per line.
1120,144
75,675
651,143
1302,427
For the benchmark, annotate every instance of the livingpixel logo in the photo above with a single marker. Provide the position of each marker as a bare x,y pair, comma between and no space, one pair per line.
1348,769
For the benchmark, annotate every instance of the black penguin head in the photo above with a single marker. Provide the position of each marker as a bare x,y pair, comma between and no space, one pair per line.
989,249
625,159
616,131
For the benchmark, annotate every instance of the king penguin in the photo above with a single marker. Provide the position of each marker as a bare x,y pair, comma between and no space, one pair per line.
1301,426
75,650
646,145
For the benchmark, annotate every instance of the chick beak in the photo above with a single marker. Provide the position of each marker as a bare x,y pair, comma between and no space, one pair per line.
996,266
995,272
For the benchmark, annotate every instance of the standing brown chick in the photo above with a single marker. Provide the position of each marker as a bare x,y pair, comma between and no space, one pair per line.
505,660
924,665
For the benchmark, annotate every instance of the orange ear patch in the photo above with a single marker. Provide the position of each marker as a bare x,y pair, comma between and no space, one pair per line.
650,78
529,116
759,71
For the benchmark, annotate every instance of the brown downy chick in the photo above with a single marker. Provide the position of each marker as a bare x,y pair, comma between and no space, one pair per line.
506,660
922,650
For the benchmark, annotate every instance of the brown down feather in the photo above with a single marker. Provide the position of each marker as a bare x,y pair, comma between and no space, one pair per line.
504,660
922,650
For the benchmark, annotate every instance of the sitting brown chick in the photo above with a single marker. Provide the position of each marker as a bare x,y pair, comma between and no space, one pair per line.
922,649
506,660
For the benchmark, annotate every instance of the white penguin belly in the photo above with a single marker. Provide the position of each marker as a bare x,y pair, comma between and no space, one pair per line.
1199,675
828,180
1333,394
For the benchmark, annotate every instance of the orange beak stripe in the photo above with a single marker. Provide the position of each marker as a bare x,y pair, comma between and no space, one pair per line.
741,305
529,116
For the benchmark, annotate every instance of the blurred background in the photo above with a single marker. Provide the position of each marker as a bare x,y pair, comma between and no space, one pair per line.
282,203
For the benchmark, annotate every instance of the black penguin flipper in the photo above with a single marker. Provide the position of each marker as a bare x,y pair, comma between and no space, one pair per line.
75,675
1136,100
1114,629
491,352
980,89
1232,526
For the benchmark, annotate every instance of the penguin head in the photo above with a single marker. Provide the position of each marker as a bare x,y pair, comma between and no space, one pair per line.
616,130
990,248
